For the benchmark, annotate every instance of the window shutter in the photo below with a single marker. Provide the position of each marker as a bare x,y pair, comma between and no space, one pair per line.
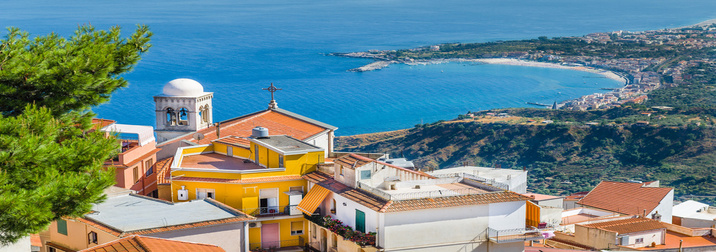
62,226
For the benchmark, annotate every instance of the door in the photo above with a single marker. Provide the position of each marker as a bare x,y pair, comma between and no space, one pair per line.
360,221
269,236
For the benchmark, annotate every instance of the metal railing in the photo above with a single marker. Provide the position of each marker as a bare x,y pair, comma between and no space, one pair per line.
267,245
272,210
513,235
422,194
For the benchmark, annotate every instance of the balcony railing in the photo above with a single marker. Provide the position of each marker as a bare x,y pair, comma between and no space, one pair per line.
269,245
272,211
513,235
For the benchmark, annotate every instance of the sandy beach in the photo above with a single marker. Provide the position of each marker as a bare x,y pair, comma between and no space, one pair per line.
517,62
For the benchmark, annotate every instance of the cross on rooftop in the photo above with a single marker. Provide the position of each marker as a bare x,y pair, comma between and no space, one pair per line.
272,89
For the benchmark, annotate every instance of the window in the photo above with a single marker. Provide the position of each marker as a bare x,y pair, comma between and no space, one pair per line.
639,240
171,117
341,170
296,227
256,156
136,174
280,160
365,174
202,193
313,229
183,116
51,249
92,238
148,166
268,201
333,206
229,151
360,221
62,226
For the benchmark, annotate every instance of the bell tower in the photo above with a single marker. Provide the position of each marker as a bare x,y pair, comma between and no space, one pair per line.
183,107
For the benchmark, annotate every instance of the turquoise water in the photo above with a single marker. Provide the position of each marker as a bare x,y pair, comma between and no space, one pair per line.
235,48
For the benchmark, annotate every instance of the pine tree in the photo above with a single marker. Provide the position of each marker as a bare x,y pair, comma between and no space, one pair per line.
51,163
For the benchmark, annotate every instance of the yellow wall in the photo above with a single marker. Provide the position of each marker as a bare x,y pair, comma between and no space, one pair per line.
237,151
284,231
234,194
198,149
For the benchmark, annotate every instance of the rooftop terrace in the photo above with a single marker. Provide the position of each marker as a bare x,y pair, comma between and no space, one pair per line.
213,161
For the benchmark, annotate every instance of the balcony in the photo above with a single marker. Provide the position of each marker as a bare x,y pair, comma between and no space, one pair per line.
272,211
513,235
277,245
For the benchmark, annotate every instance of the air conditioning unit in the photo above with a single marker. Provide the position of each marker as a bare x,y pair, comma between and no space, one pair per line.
254,224
182,194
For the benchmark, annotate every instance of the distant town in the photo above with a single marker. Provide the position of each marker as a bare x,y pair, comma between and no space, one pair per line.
647,60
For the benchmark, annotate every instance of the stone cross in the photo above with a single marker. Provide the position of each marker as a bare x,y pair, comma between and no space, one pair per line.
272,89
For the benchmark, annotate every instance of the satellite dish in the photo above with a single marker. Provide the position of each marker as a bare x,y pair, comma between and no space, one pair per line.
198,136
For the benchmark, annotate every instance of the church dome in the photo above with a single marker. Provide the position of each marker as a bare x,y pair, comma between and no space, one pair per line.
183,87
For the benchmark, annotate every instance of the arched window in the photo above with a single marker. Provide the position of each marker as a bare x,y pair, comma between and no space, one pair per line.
201,113
333,206
183,116
205,114
171,117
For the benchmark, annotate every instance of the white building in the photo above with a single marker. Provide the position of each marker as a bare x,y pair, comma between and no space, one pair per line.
508,179
694,214
411,210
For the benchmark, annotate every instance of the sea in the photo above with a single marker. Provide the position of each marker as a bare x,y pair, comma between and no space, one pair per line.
235,48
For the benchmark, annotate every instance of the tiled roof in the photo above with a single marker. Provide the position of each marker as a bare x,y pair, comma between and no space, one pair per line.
381,205
98,123
624,197
454,201
240,181
151,244
234,140
355,195
163,169
358,160
626,226
277,121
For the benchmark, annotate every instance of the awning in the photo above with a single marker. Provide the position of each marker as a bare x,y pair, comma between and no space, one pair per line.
314,198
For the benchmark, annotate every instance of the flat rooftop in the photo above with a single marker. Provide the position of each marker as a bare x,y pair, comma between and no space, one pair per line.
287,143
131,213
452,189
673,239
214,161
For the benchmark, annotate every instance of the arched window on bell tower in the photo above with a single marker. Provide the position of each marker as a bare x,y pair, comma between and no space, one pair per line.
171,117
183,116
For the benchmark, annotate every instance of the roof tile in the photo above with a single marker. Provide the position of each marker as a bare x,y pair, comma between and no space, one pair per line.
624,197
151,244
626,226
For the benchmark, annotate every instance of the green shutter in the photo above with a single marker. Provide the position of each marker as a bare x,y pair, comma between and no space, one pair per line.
62,226
360,221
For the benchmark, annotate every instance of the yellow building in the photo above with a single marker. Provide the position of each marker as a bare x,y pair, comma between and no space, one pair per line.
259,175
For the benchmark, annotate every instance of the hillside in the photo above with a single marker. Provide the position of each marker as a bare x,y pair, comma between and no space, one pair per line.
573,153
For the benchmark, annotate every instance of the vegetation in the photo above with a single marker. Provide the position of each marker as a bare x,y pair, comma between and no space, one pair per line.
51,162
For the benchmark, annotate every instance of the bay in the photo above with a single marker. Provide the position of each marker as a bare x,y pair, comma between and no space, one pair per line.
235,48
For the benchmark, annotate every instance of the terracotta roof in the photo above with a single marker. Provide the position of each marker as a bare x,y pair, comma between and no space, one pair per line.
454,201
626,226
381,205
624,197
35,240
99,123
234,140
358,160
163,169
277,121
240,181
151,244
355,195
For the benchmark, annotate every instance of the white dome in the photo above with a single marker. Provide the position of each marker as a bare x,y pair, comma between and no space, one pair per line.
183,87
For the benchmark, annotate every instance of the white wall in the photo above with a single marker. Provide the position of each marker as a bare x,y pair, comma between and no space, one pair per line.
347,213
21,245
665,207
656,236
321,140
697,223
228,236
445,229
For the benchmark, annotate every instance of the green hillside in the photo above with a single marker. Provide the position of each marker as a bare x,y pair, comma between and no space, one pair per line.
573,153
